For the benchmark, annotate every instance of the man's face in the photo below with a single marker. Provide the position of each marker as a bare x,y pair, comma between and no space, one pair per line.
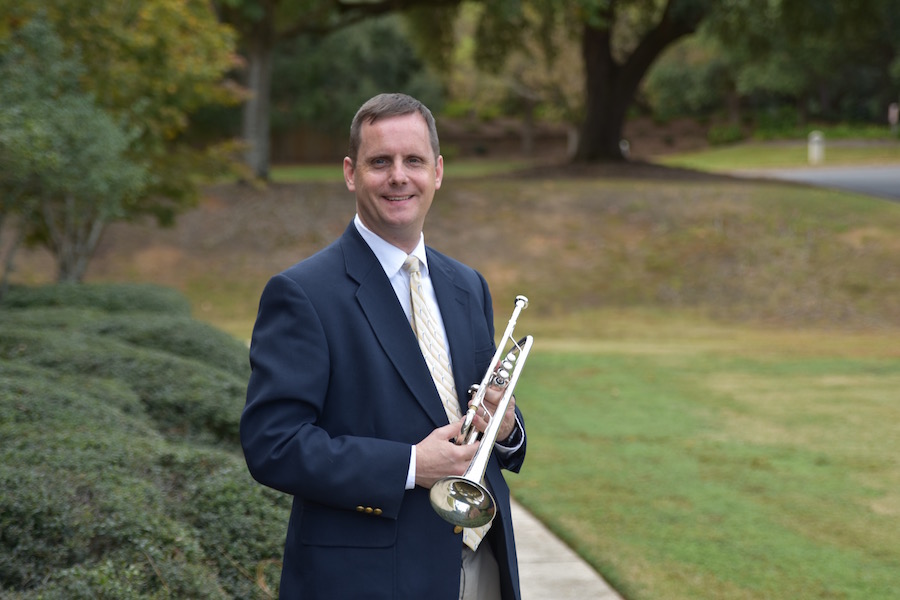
394,177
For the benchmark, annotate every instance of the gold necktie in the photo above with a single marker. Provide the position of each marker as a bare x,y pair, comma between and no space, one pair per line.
431,342
434,350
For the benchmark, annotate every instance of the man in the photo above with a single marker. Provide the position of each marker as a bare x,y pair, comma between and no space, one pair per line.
351,414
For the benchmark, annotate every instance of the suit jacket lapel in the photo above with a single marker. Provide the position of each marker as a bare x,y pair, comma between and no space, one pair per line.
392,330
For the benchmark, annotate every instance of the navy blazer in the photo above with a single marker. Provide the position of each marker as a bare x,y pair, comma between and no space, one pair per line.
339,392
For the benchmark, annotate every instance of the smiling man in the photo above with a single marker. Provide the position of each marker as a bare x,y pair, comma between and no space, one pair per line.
358,382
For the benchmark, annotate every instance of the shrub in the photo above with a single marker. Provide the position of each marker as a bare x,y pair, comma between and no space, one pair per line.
185,397
112,297
120,471
178,335
725,134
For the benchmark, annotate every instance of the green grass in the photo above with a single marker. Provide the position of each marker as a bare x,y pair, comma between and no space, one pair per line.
686,459
307,173
765,155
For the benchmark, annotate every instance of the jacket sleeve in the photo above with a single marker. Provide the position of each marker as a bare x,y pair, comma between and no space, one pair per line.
284,445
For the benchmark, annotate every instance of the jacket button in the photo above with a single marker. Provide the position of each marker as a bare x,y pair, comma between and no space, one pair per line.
369,510
377,511
457,529
360,509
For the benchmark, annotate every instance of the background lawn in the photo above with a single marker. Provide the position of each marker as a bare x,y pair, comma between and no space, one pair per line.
712,399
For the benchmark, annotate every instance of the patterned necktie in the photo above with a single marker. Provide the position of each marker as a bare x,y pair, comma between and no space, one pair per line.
435,352
431,342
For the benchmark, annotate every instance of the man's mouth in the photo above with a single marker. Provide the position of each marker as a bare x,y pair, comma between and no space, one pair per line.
397,198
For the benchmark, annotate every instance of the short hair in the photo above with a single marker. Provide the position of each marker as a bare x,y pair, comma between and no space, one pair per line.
390,105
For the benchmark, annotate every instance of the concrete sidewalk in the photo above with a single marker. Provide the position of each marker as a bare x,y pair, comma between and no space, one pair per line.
550,570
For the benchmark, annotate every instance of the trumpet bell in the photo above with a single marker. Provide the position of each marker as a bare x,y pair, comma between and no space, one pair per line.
463,502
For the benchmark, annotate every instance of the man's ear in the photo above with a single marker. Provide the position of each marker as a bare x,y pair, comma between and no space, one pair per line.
348,174
438,172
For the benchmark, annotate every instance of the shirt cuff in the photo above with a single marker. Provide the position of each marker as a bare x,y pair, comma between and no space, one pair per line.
411,474
513,442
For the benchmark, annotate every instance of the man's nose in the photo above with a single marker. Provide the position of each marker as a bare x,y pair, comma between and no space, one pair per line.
398,173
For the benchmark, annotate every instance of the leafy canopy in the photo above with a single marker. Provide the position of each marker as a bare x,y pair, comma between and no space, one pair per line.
150,64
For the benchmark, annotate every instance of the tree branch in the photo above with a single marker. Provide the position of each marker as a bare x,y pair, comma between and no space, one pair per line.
355,11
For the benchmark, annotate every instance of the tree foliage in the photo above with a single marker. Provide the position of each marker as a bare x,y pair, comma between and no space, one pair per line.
320,81
619,41
264,24
147,65
64,173
487,72
807,60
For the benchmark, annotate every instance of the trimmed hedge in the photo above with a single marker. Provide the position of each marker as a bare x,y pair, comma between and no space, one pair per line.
108,297
120,469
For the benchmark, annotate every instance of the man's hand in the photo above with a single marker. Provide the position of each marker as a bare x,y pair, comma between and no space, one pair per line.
491,399
437,456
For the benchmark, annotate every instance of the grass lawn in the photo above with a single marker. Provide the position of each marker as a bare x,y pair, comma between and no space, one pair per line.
765,155
686,459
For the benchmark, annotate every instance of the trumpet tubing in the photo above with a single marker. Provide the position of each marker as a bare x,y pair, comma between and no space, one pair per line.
465,500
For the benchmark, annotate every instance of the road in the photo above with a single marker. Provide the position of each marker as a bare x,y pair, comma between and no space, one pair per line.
880,181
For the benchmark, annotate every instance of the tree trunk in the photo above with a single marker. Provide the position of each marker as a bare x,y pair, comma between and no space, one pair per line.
528,127
604,119
257,108
10,258
611,86
73,237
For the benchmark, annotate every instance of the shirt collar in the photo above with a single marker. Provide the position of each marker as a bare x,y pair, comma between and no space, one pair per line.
391,257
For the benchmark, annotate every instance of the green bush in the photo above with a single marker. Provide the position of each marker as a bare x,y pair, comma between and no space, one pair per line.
178,335
725,134
112,297
239,525
185,397
120,471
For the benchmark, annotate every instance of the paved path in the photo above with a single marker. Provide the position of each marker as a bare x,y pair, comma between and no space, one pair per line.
550,570
881,181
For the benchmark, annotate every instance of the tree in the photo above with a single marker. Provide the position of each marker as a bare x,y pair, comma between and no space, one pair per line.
620,40
147,65
261,24
535,77
611,81
64,173
320,82
150,64
835,56
792,61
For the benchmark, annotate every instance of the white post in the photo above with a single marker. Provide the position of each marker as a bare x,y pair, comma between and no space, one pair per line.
816,148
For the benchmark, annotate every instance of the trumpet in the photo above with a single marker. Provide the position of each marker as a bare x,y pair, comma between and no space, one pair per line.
465,500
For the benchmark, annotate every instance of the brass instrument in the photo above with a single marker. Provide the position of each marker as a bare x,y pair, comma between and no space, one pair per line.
465,500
